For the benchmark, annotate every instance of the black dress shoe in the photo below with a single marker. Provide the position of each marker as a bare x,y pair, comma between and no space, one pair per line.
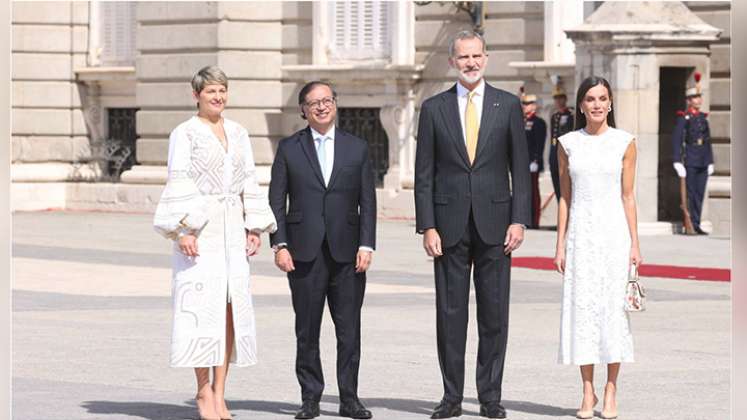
446,409
700,231
493,410
309,409
355,410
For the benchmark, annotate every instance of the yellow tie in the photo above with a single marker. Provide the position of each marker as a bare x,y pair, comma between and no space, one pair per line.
472,127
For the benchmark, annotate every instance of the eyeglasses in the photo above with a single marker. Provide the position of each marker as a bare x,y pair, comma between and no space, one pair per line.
327,102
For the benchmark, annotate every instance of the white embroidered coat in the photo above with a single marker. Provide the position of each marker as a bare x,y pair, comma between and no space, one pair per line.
215,193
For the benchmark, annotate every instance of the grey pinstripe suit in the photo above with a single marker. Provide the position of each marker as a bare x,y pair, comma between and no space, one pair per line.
471,207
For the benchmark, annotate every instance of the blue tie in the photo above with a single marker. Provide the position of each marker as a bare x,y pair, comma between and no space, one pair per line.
321,153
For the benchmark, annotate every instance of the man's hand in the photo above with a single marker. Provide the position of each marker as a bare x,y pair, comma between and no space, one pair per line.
710,169
680,169
363,261
514,238
253,242
432,243
284,261
188,245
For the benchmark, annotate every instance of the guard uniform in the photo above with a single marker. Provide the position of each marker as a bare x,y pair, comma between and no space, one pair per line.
561,123
691,145
536,132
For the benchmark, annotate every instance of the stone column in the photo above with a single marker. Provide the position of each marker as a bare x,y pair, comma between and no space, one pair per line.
398,121
49,41
627,43
49,139
561,15
175,39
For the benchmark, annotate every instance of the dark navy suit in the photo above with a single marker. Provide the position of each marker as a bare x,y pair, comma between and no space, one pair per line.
324,226
471,206
691,145
536,132
561,123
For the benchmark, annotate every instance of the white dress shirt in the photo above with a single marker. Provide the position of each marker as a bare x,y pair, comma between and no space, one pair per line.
329,161
476,99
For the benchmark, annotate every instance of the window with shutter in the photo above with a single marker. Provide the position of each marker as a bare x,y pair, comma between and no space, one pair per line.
118,26
360,30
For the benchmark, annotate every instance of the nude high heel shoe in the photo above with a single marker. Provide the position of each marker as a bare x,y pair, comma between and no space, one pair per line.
609,415
587,414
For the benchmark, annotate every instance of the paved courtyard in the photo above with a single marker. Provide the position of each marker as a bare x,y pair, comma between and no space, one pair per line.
91,323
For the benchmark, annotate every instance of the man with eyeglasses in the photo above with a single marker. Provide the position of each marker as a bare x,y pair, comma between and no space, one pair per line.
323,196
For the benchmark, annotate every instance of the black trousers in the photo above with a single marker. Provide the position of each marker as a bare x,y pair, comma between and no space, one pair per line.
696,180
492,270
555,175
536,200
312,283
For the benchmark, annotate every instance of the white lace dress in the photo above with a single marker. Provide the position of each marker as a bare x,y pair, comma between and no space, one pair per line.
594,326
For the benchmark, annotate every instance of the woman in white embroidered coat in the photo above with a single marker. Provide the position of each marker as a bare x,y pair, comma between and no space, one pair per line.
597,242
213,210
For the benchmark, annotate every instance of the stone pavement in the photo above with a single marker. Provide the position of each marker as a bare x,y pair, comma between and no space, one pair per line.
91,323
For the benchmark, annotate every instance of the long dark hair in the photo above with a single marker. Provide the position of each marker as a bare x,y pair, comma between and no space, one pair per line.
587,84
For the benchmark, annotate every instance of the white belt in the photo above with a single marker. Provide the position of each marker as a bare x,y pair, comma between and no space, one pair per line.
228,198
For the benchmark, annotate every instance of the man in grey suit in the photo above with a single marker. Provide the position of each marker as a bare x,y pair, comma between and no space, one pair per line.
471,213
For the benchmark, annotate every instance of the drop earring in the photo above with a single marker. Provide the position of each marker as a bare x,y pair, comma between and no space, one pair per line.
609,109
582,111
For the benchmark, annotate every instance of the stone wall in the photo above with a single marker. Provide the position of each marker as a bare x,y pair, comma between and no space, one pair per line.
50,40
718,14
514,31
297,45
177,38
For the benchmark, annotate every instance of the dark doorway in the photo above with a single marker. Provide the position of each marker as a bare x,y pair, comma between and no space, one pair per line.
365,123
120,141
672,83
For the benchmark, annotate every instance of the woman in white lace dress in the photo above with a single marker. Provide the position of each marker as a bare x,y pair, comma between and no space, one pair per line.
213,210
596,243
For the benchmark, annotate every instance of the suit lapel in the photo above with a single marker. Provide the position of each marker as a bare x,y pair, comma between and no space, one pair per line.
340,154
450,112
307,145
490,108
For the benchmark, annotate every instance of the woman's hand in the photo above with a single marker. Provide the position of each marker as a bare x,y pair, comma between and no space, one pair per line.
635,256
559,260
188,245
253,242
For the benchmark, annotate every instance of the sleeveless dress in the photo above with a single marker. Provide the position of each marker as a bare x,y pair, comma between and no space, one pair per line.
595,327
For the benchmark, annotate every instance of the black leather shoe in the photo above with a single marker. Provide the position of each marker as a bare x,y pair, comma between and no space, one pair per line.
493,410
355,410
700,231
309,409
446,409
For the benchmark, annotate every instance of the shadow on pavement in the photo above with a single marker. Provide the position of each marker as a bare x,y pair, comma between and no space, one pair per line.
145,410
161,411
425,407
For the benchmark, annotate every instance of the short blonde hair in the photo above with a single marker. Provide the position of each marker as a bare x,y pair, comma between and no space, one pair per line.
209,75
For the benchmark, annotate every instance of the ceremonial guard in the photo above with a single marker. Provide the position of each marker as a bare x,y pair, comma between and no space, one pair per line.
692,157
561,122
536,130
